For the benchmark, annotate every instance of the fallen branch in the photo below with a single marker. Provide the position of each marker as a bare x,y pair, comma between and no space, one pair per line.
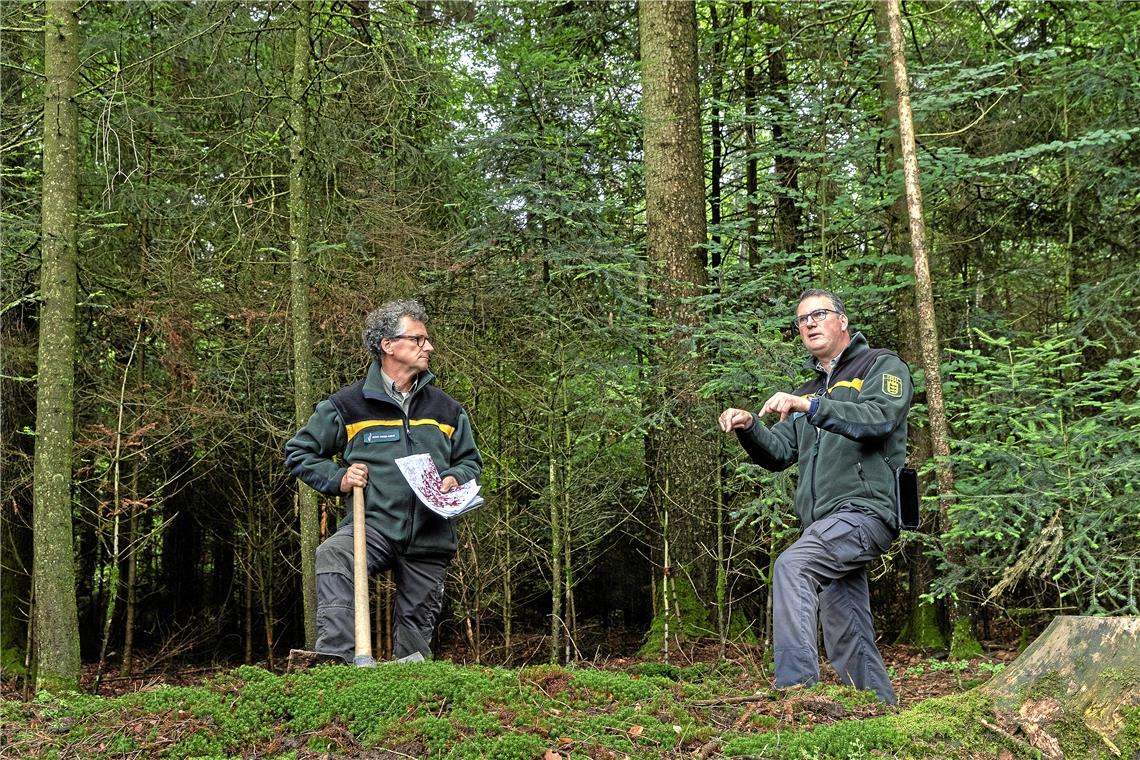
765,697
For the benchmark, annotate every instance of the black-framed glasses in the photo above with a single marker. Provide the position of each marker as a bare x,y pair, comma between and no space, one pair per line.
419,339
815,317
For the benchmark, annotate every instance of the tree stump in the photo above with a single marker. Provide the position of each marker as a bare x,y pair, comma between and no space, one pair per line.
1083,669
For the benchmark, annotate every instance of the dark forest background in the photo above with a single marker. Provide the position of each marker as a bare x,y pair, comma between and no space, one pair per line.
487,158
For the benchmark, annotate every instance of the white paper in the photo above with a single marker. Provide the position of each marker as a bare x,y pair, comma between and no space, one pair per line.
420,472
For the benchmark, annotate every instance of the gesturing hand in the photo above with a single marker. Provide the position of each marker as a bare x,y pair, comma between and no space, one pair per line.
735,419
784,404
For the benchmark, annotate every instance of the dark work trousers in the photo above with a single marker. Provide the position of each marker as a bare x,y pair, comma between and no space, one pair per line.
826,570
419,594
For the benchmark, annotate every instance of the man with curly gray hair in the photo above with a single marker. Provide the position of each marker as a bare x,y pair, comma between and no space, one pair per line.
353,439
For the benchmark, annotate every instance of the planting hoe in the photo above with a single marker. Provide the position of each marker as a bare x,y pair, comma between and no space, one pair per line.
304,658
363,657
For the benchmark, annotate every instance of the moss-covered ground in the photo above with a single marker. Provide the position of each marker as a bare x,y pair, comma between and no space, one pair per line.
443,710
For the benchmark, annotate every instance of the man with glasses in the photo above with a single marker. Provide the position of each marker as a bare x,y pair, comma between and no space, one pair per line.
353,439
846,429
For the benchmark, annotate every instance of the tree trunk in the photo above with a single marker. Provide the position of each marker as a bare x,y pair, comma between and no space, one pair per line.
299,303
507,493
751,253
247,596
569,615
964,643
716,135
788,235
56,618
115,560
134,545
680,448
555,542
921,628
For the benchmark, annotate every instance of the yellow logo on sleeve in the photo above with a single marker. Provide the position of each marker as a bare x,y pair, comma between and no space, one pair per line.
892,386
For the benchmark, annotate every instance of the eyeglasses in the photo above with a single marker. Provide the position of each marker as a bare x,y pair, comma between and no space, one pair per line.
814,317
419,339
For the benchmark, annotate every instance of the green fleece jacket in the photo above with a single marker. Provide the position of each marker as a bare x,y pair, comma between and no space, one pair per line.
362,423
849,445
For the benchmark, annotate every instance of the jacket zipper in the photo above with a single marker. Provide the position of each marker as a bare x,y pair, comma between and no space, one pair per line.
822,393
814,467
412,499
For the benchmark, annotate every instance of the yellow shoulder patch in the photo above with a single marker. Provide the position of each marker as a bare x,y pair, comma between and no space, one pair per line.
892,386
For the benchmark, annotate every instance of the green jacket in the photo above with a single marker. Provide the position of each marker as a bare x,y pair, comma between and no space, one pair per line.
849,445
362,423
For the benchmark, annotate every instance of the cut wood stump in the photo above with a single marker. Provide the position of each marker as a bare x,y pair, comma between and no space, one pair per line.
1084,668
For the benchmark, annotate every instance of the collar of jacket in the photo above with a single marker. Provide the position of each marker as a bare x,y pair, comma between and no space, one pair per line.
374,385
857,346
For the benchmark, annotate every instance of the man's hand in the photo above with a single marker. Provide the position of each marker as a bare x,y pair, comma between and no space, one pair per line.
785,404
448,483
355,475
735,419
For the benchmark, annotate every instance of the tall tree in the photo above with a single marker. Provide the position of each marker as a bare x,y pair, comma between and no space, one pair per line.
679,445
921,627
56,617
963,639
787,237
299,301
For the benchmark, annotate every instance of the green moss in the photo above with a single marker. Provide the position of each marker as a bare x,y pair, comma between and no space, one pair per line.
950,726
1128,740
849,740
922,630
740,629
715,671
1048,685
1125,677
694,623
443,710
662,669
964,644
12,662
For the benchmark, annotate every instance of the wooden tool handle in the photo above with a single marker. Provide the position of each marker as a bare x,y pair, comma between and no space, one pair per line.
360,578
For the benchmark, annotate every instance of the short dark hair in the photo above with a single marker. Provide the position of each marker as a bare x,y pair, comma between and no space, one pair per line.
384,322
817,292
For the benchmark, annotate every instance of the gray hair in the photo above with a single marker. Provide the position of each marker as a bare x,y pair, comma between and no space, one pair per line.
384,322
816,293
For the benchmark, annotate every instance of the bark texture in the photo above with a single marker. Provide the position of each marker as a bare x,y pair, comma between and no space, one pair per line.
921,629
299,302
55,620
679,448
963,642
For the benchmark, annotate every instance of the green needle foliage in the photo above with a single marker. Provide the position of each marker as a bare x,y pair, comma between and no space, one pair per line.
1047,462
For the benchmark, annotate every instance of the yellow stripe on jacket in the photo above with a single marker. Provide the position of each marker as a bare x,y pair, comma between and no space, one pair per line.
352,429
857,384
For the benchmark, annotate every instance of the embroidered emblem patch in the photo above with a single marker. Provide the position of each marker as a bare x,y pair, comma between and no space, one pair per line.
378,436
892,386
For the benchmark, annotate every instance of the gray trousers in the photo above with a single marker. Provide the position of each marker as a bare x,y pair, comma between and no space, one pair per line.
825,570
419,594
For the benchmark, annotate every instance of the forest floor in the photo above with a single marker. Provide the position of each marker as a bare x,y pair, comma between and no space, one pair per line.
705,706
916,675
